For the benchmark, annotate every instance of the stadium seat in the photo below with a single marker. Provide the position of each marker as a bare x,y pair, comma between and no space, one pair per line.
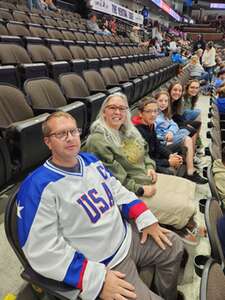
22,131
213,212
75,88
212,282
111,80
51,288
96,83
5,163
46,96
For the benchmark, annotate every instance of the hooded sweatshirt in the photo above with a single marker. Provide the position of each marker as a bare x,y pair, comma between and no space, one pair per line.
128,162
220,102
219,177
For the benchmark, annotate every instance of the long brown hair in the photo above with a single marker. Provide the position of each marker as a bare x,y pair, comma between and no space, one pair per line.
194,99
167,112
176,107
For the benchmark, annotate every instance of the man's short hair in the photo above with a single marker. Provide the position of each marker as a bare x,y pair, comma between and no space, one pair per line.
46,130
144,102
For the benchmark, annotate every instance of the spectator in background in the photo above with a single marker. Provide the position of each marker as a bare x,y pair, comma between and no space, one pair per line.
196,69
145,14
135,37
200,43
156,31
112,25
51,6
220,79
220,100
199,53
209,59
35,4
154,48
173,45
93,26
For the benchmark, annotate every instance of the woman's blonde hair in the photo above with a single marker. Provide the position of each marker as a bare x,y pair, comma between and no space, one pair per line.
127,129
194,59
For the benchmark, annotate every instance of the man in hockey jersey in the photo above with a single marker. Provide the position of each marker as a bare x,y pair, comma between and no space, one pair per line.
70,226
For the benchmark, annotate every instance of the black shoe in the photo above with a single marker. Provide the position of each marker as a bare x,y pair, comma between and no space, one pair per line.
195,177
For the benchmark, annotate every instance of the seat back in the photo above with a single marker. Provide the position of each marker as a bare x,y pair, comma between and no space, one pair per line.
91,52
121,73
40,53
13,54
73,85
109,76
20,16
94,80
78,52
44,93
5,14
18,29
212,183
11,98
212,282
55,34
5,163
61,52
3,30
38,32
212,214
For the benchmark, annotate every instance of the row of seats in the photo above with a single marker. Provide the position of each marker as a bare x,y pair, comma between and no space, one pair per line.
69,33
19,64
206,36
21,148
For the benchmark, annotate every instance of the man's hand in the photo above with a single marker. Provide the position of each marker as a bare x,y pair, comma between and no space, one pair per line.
158,233
116,288
169,136
152,173
149,190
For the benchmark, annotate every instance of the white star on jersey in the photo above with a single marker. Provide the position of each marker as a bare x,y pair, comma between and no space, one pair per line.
19,208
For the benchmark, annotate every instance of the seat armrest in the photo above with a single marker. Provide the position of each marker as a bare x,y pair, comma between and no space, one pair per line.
41,110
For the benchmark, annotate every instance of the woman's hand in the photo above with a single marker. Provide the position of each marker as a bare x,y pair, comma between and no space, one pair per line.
149,190
152,173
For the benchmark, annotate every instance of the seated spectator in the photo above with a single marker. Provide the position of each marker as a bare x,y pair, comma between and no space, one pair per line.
220,100
92,24
199,44
196,69
51,5
191,95
169,133
113,25
173,45
167,130
35,4
166,158
155,49
218,170
116,141
135,37
220,78
72,225
177,57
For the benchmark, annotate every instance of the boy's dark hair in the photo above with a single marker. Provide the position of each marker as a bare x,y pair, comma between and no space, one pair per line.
145,101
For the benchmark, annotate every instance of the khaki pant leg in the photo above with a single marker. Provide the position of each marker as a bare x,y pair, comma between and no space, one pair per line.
173,203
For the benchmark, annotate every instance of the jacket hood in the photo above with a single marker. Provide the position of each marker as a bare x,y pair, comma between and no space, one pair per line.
136,120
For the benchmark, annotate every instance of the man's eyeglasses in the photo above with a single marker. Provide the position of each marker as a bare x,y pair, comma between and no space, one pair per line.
114,108
151,111
63,135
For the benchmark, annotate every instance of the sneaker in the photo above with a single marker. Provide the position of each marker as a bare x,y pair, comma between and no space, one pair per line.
187,237
197,160
195,177
200,151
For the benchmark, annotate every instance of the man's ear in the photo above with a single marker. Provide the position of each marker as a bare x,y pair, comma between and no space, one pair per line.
47,142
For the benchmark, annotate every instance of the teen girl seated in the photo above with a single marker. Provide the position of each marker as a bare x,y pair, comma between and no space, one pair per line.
169,133
168,159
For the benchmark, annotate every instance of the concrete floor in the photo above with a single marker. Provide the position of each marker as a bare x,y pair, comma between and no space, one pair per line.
10,268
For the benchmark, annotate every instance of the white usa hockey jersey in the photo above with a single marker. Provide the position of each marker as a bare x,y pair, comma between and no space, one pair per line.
70,226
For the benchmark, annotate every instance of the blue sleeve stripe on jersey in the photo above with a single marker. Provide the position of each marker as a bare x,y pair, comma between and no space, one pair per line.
29,197
126,208
75,272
